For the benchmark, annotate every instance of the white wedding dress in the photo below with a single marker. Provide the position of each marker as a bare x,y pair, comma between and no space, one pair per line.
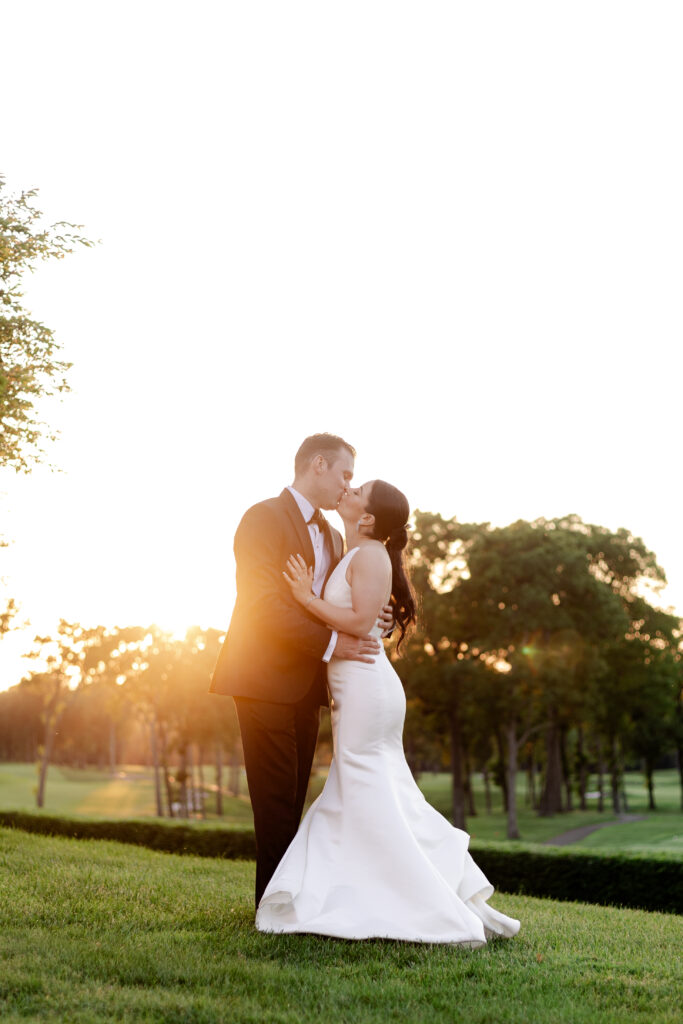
372,859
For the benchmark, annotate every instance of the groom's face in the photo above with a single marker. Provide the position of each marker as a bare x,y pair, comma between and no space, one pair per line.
335,480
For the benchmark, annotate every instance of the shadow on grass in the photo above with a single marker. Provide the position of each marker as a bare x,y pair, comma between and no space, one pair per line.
303,950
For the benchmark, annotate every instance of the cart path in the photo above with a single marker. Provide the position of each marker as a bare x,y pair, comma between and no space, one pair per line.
575,835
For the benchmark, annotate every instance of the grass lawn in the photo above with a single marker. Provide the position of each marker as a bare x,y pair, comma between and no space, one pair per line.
95,794
661,830
95,932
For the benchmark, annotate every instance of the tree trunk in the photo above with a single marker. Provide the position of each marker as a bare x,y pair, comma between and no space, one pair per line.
531,779
42,773
112,747
235,767
565,771
53,714
202,787
649,778
614,776
181,779
537,781
583,780
512,830
601,775
218,753
469,792
487,789
167,775
192,799
679,739
551,797
614,787
456,770
503,772
155,763
44,763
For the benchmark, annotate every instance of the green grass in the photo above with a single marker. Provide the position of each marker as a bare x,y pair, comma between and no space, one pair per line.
659,832
95,794
95,932
662,829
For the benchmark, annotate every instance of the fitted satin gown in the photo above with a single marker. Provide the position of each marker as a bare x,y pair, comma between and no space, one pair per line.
372,859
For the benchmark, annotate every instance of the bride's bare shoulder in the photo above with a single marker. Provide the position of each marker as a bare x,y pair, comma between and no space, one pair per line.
373,552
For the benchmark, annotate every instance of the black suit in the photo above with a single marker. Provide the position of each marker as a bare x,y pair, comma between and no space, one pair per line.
271,663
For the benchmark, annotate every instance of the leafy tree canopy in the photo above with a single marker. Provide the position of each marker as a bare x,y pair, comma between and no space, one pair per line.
30,367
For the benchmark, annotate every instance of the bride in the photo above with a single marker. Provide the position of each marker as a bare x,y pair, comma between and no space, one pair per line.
372,859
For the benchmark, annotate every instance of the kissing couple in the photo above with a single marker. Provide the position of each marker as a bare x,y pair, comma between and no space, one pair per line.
371,858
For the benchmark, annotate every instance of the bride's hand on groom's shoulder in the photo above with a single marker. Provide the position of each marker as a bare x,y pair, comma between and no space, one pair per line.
299,576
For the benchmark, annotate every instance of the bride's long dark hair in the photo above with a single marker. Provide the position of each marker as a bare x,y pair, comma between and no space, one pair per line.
391,510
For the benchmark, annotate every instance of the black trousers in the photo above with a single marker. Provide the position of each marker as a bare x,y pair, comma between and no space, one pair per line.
279,742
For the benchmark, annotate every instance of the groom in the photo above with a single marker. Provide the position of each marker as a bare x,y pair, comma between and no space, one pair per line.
273,660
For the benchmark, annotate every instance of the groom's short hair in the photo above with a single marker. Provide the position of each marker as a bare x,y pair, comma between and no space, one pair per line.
327,445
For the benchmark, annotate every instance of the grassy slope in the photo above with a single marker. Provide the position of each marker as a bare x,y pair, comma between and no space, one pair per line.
94,932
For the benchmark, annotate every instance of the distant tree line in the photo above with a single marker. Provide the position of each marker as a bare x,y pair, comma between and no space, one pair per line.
537,649
107,697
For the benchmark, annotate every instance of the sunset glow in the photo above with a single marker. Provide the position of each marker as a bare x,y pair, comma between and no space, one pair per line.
433,237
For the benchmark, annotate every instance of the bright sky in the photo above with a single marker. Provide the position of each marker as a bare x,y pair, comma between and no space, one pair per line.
450,232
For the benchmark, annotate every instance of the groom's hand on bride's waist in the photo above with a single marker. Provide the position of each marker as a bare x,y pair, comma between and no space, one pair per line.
385,620
354,648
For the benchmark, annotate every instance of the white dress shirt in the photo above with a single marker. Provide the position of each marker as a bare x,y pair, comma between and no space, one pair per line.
321,555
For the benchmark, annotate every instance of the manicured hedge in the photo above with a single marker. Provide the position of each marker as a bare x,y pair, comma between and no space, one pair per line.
627,880
234,844
648,882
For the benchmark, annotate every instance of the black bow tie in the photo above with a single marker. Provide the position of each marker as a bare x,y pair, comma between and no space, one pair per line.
317,519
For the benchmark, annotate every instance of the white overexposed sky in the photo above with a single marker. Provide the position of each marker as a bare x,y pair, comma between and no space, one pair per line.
450,232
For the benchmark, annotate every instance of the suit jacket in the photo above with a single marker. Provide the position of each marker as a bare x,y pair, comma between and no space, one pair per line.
274,648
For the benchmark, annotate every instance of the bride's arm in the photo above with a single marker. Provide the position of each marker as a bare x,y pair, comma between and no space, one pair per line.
370,578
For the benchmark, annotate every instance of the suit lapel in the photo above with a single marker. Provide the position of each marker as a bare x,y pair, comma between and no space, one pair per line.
333,540
297,520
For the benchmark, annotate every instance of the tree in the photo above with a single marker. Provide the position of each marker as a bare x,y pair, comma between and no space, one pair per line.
6,616
145,687
10,609
647,671
73,659
20,723
108,662
58,687
548,609
678,709
30,367
440,674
